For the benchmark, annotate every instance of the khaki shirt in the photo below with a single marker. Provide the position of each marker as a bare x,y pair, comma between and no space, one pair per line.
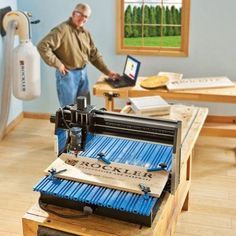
65,44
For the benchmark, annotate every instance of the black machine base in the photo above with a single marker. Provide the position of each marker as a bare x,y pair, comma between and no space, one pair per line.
103,211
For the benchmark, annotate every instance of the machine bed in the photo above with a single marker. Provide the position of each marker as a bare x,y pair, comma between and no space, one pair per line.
130,140
132,206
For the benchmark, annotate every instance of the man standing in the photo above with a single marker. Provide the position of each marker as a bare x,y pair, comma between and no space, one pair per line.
69,47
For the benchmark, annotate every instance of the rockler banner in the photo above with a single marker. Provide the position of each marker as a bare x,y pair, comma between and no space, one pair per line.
115,175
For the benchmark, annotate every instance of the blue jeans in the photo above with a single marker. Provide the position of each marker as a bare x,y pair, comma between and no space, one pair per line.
71,85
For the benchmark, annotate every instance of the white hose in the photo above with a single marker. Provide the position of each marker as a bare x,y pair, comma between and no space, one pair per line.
7,76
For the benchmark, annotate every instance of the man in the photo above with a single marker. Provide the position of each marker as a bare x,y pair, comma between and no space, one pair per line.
68,48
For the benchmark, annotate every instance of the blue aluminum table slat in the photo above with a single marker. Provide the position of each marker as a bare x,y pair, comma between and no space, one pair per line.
72,189
118,150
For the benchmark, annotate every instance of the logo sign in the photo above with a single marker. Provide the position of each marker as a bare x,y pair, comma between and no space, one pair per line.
115,175
22,75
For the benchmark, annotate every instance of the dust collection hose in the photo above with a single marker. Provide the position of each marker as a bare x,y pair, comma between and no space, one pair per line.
7,76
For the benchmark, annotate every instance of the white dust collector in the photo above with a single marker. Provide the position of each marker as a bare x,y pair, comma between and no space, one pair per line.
25,58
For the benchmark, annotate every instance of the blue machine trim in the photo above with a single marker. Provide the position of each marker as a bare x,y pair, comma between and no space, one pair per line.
131,152
100,196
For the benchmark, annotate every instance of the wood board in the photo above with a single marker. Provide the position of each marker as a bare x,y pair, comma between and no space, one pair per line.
200,83
186,114
115,175
152,82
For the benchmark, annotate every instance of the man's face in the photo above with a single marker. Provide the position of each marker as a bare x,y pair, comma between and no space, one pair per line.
80,17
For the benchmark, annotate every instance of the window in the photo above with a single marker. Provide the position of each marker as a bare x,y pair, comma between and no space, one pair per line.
153,27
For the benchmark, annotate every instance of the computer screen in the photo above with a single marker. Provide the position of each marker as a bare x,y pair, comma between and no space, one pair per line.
131,67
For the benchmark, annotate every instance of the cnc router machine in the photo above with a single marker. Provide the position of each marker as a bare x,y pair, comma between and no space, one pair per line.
112,164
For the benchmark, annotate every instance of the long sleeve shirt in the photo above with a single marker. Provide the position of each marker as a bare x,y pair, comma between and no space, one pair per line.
65,44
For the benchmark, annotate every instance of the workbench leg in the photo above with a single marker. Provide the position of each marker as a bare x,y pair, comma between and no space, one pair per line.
189,168
29,227
109,100
186,203
109,103
188,178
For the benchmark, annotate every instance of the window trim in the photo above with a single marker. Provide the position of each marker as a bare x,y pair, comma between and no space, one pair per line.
183,51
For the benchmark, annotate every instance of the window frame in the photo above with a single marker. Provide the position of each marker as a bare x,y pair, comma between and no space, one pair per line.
183,51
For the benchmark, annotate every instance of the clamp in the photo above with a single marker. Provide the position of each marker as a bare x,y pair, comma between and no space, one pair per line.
101,157
111,95
146,190
162,166
53,172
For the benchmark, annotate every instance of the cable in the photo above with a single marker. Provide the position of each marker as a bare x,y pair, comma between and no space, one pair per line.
87,211
63,118
7,77
69,130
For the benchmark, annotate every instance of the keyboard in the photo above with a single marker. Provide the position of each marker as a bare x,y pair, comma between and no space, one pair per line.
119,83
200,83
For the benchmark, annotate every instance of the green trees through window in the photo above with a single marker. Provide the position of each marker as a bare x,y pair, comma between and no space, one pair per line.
150,23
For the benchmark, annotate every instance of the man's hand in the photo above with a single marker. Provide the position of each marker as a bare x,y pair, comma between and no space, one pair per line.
113,75
63,69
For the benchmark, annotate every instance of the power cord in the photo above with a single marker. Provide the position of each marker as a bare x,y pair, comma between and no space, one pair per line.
86,211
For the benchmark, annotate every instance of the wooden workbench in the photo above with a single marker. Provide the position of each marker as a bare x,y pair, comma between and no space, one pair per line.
216,125
171,206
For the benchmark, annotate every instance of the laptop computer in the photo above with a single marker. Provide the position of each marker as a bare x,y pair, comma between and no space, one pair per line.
130,74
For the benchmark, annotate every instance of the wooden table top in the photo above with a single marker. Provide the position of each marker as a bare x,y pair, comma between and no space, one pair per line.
225,95
192,119
99,225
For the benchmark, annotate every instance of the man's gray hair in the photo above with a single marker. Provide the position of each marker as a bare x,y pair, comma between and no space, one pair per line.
83,6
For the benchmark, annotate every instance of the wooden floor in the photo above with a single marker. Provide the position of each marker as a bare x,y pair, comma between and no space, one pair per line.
213,190
28,150
24,154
